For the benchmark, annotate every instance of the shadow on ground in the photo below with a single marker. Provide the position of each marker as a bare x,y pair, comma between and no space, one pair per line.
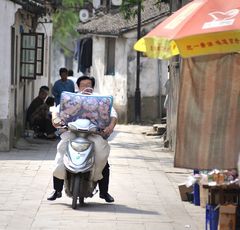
105,207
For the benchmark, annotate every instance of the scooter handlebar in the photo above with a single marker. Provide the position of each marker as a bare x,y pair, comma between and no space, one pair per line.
66,127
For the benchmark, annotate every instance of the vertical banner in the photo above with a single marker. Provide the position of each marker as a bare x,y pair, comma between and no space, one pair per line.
208,124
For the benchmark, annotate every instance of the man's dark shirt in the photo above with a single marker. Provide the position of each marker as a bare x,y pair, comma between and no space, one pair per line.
33,106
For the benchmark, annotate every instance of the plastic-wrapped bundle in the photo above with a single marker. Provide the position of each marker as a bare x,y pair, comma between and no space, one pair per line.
96,108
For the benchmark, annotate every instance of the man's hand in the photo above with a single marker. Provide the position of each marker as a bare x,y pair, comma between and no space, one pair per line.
57,122
108,130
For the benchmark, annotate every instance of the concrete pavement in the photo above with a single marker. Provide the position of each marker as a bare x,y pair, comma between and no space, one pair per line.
143,183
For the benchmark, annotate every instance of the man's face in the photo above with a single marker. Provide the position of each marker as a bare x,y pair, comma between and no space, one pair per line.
44,94
64,76
85,86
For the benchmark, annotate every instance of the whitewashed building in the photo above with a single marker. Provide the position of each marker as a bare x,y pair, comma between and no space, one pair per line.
114,62
25,44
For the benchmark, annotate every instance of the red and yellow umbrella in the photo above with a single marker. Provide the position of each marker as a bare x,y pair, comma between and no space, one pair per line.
199,28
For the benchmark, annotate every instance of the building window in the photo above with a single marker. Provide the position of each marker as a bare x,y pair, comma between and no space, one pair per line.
110,56
32,51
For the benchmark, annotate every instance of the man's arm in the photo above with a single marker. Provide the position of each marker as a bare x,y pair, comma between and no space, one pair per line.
109,129
56,120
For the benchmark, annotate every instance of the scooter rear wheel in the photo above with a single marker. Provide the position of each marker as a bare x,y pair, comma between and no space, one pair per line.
76,189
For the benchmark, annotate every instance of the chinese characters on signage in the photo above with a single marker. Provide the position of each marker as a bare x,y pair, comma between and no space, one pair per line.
212,44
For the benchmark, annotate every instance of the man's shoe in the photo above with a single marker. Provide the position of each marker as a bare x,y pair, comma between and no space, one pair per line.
54,195
107,197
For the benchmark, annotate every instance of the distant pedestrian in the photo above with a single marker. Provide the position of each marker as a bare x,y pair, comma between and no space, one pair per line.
63,84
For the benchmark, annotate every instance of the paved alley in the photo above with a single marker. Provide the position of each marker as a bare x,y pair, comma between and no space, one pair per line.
143,183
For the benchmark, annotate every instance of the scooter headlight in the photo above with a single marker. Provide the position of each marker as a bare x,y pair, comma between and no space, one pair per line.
80,147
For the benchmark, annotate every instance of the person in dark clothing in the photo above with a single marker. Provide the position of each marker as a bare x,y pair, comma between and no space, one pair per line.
42,121
38,101
63,84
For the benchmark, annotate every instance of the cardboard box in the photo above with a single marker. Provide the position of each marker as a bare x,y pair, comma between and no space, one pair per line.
227,217
184,191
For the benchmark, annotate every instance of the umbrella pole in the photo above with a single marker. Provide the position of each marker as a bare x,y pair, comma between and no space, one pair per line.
137,90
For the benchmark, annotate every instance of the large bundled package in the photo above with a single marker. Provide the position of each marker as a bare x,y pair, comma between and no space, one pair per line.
96,108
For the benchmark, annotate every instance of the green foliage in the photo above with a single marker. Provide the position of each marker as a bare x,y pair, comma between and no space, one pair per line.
129,8
65,21
66,18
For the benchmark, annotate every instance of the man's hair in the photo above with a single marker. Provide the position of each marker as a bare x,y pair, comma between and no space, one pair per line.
92,79
43,88
70,72
63,70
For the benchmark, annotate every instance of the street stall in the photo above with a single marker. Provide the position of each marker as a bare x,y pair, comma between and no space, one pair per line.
206,34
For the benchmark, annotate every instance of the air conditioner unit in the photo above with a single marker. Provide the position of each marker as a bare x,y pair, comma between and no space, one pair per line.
83,15
116,2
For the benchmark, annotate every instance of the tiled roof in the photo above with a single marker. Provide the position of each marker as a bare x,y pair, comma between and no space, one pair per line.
113,23
34,6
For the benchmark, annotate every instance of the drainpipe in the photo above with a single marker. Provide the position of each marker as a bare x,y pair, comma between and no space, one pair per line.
137,90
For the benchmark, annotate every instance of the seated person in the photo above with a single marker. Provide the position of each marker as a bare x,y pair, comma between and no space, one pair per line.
41,120
36,102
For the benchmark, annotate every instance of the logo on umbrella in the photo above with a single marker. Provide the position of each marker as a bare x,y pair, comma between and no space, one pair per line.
221,19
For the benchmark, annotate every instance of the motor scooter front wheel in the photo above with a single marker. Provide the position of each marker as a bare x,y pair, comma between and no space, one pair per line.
76,189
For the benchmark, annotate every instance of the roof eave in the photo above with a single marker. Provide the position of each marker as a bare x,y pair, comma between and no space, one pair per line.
123,30
38,7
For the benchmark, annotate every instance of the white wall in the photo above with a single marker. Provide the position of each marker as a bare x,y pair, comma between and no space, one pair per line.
123,84
107,84
58,61
149,78
7,17
16,95
45,28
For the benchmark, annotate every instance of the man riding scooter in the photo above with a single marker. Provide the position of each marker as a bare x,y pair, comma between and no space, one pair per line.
86,85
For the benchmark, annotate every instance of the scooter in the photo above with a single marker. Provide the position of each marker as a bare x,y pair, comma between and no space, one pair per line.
78,161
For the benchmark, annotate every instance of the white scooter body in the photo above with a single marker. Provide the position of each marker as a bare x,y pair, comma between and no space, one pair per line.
79,155
78,161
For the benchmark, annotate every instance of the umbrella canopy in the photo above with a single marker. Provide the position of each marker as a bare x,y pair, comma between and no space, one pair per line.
199,28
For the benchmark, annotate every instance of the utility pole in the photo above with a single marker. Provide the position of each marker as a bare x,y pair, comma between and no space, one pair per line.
137,90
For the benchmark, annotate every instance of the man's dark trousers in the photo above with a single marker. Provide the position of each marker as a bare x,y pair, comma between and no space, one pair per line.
102,184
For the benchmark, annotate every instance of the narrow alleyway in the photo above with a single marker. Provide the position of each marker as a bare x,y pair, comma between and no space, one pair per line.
143,183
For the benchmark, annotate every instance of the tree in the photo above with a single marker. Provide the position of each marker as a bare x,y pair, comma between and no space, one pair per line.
65,21
66,18
130,10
